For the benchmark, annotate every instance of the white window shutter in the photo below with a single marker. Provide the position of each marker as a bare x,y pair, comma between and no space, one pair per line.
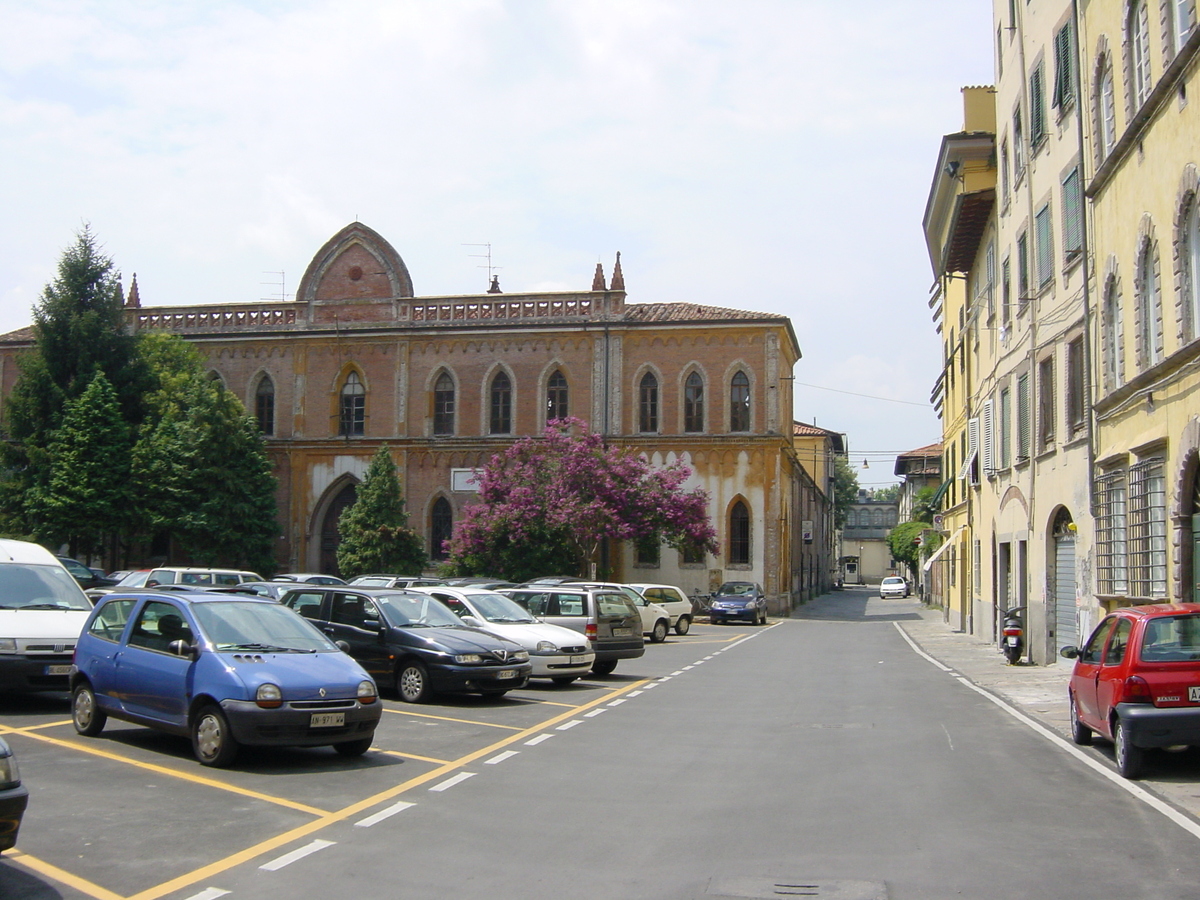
988,446
964,470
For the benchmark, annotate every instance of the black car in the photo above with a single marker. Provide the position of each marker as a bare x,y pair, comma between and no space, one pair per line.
87,578
738,601
13,797
412,641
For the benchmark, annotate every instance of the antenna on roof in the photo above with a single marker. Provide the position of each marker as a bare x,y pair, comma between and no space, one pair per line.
491,270
282,296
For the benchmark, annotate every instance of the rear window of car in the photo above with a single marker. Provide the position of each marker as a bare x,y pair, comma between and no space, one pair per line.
893,581
1171,639
614,605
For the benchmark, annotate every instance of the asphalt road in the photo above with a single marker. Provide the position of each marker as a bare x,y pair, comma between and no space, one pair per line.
821,756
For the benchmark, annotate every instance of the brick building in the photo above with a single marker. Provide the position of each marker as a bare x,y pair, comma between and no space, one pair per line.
358,360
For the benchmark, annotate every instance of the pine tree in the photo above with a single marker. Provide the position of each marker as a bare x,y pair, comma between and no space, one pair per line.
374,531
86,498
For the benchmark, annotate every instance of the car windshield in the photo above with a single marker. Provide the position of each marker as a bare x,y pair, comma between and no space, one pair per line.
134,579
415,610
1172,639
734,588
255,625
39,587
372,581
893,581
499,609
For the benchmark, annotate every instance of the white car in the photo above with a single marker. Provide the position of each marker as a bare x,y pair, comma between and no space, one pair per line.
673,600
893,586
557,653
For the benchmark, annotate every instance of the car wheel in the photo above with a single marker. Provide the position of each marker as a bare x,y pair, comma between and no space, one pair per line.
412,682
563,680
604,668
87,715
355,748
212,738
1129,757
756,621
1080,733
659,633
682,624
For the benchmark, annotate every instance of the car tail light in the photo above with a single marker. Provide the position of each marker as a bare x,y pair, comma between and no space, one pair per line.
1136,690
589,632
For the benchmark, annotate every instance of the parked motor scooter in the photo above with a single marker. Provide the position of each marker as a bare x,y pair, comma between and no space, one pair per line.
1013,634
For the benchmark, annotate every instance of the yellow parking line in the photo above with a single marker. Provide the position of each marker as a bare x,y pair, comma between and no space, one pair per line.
236,859
405,712
10,729
61,876
179,773
428,759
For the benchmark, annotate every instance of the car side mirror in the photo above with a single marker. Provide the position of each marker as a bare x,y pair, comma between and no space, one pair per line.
183,648
342,645
1069,652
472,621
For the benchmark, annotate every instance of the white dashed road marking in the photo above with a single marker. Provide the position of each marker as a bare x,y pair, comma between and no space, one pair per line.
288,858
452,781
384,814
501,757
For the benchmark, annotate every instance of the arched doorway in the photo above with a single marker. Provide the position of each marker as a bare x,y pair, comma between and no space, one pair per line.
1190,589
329,531
1066,627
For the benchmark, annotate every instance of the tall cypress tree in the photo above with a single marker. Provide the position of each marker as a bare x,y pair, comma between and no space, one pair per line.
78,331
86,497
374,529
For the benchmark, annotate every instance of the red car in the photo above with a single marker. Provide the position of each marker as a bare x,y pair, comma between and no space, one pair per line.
1137,682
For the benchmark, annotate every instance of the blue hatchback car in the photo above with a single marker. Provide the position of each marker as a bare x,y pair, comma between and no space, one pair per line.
222,669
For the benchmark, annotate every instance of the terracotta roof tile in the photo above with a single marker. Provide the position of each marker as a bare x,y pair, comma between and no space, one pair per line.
691,312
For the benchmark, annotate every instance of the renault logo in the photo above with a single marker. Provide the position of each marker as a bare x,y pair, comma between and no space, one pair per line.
321,692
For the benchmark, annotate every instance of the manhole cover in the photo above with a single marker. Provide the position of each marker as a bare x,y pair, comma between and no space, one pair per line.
824,889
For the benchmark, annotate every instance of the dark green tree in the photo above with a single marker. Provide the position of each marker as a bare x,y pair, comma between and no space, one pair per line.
200,468
374,531
78,328
86,498
845,490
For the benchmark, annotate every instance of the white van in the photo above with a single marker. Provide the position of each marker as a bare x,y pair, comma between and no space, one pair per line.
42,612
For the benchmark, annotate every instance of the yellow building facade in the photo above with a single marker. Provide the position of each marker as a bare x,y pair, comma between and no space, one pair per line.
1143,149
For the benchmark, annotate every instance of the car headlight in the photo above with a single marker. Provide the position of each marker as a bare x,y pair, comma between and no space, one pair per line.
519,656
468,659
366,692
546,647
10,775
8,645
269,696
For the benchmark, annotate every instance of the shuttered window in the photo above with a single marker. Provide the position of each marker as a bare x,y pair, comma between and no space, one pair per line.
1023,411
1064,68
1072,214
1044,248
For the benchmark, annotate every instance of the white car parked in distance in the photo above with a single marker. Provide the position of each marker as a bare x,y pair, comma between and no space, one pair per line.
673,600
557,653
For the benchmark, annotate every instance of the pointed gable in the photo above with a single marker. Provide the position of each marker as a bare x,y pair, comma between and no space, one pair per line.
355,264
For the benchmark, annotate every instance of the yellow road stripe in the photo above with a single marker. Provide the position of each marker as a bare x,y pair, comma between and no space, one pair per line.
180,774
428,759
405,712
9,729
236,859
62,877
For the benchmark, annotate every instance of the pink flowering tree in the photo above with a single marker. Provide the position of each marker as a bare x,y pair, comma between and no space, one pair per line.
548,504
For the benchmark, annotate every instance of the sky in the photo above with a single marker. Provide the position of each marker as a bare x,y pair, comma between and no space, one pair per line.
766,155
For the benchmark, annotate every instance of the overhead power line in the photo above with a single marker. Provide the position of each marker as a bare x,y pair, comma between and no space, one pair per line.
820,387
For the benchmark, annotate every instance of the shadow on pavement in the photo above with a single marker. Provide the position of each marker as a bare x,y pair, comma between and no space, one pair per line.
856,604
21,885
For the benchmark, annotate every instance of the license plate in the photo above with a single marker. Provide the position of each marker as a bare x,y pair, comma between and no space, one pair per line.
622,632
578,660
506,673
1194,694
1011,640
327,720
58,670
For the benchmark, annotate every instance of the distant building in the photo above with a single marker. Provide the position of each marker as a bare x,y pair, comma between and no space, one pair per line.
866,554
